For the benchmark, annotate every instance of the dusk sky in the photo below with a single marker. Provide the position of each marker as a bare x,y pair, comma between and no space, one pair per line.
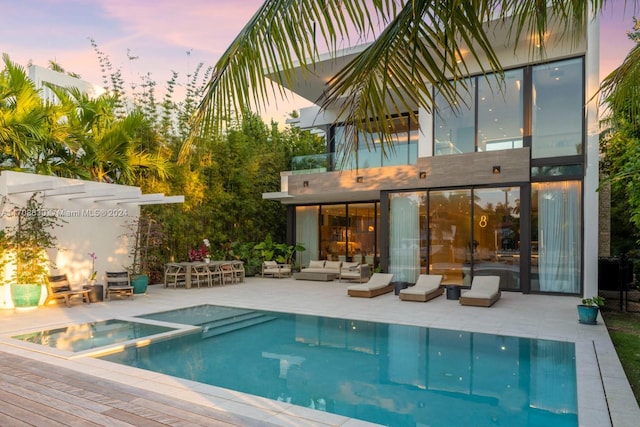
177,35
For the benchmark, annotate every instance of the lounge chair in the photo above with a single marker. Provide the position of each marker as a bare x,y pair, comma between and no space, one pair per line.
378,284
484,292
273,269
58,288
119,284
354,271
426,288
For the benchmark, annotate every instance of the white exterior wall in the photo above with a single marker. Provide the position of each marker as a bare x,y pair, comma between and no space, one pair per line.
591,203
90,226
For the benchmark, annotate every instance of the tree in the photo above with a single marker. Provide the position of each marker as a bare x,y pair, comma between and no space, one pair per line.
23,118
420,45
620,144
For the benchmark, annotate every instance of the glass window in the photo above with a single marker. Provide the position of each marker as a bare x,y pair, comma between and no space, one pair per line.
496,235
343,162
363,225
500,112
560,170
450,234
455,126
333,232
405,150
556,237
557,110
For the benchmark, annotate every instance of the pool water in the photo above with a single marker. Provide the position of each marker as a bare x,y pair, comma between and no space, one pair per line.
93,335
383,373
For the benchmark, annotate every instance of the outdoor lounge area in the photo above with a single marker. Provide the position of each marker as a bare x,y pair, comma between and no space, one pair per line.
539,316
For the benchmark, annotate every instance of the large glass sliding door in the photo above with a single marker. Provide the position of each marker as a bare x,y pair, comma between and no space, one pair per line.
450,244
496,235
349,232
556,253
363,222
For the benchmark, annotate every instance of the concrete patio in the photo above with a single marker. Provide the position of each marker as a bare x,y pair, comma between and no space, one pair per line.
604,395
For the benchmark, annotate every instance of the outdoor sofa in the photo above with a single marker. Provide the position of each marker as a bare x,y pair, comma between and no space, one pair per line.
427,287
323,266
378,284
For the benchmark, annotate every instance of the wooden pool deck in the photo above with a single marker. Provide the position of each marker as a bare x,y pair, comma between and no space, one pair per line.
34,393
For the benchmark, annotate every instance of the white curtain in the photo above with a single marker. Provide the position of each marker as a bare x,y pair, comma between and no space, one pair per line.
559,240
404,237
307,233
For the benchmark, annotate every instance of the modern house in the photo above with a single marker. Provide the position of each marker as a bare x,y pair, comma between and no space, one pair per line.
504,185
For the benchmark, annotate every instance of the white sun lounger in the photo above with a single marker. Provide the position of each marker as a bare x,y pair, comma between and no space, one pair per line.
427,287
484,292
378,284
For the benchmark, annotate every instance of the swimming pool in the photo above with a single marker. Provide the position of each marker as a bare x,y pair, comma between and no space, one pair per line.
88,336
384,373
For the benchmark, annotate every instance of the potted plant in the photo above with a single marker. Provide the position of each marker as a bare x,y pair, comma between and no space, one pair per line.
588,310
27,242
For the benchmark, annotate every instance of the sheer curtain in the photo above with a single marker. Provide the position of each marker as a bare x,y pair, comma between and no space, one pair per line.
559,224
404,237
307,233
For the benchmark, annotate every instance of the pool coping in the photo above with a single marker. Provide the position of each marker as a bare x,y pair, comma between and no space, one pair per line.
604,394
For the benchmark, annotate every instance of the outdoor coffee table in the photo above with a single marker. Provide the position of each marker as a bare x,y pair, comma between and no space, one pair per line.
311,275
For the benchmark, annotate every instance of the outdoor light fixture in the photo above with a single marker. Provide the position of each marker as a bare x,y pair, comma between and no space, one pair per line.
305,184
496,170
360,179
422,175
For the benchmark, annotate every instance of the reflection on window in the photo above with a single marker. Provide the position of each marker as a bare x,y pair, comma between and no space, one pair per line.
449,234
496,235
560,170
369,154
349,232
500,112
455,125
557,109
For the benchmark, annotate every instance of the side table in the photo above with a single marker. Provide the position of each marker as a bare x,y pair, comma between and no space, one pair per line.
453,292
96,292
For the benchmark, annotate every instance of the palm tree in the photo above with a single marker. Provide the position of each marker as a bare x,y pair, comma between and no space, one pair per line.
104,147
421,44
23,118
620,90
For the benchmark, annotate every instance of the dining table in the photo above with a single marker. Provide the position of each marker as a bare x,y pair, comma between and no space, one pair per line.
189,265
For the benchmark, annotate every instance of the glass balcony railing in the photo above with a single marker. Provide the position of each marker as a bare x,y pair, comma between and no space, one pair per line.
313,163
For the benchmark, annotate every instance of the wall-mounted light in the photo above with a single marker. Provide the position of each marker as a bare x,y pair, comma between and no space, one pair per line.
496,170
359,179
371,228
305,184
422,175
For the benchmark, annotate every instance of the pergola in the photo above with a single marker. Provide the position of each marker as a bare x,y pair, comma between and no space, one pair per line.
97,219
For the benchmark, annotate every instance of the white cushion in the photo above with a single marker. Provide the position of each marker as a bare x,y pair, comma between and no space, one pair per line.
332,265
316,264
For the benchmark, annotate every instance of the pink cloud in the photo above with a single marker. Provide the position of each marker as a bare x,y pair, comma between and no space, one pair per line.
197,24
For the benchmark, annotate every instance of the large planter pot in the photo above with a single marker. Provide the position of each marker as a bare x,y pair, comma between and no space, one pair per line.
25,295
587,314
140,283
